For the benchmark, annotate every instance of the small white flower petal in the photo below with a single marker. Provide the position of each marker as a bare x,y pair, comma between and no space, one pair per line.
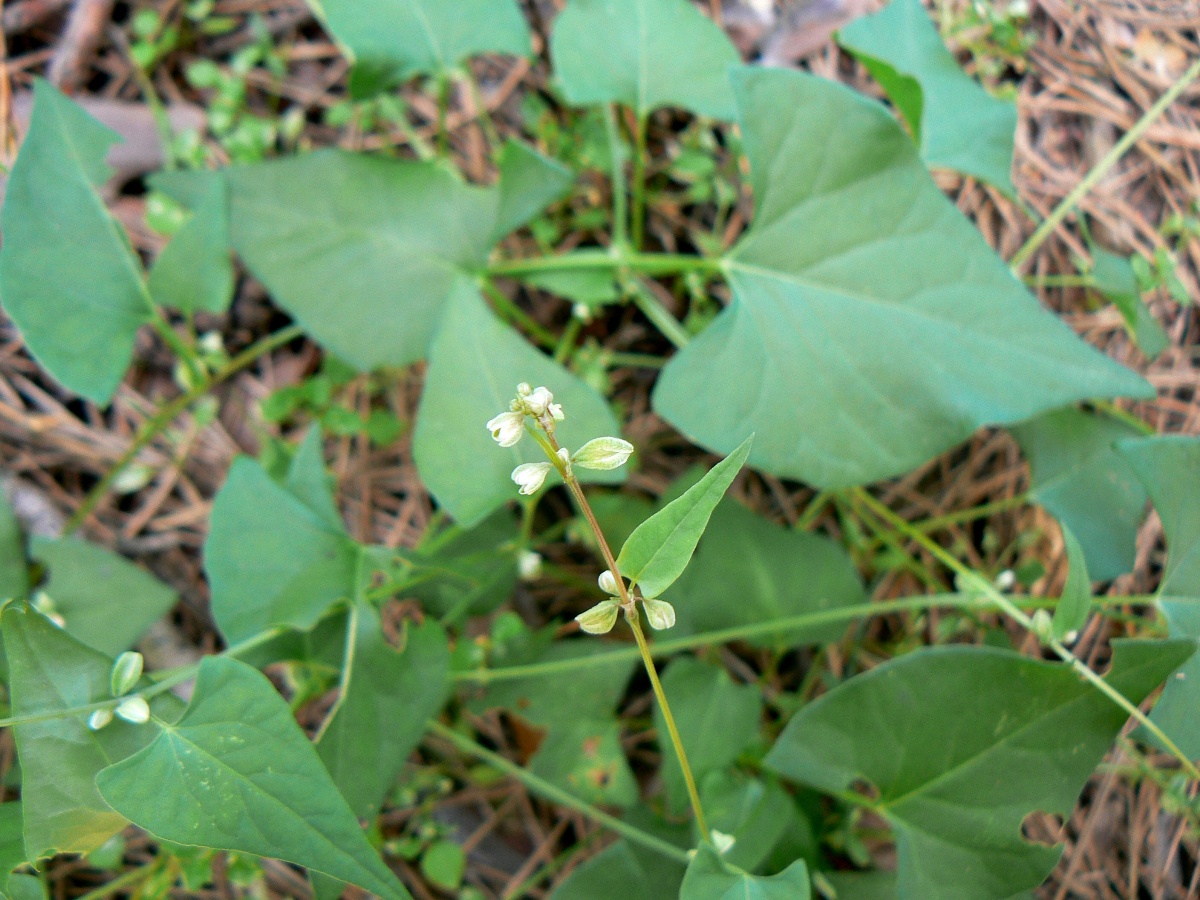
538,401
600,619
134,709
608,583
529,565
507,428
531,476
722,841
659,613
603,453
99,719
523,389
556,413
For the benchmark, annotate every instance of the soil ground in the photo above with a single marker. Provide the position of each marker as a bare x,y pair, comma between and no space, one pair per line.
1090,70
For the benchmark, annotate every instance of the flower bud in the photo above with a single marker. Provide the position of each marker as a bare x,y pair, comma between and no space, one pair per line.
126,671
538,401
531,476
507,428
1042,626
99,719
600,619
721,841
529,565
659,613
603,453
134,709
608,583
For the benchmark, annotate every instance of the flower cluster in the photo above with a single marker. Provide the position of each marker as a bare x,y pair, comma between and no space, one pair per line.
601,618
538,403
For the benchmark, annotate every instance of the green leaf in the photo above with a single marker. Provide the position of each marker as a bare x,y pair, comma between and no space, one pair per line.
1168,466
709,877
397,39
957,124
194,272
761,816
237,773
1081,479
50,671
387,695
106,601
860,345
14,568
443,864
363,251
1076,602
474,368
627,870
660,548
1114,278
863,885
277,554
644,54
69,278
581,751
988,737
12,854
749,570
529,182
467,572
591,287
717,720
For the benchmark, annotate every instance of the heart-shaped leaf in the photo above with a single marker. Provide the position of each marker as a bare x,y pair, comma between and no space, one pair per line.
661,547
397,39
988,737
277,554
716,718
387,695
749,570
67,273
644,54
710,877
871,326
958,125
529,182
237,773
50,671
104,600
194,272
1169,468
1081,479
474,368
362,250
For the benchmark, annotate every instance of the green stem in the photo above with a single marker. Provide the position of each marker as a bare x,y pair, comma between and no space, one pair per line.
1092,178
124,880
1113,411
753,630
1083,281
184,351
566,343
537,331
165,416
614,258
443,111
639,182
619,188
1006,605
937,523
556,794
660,316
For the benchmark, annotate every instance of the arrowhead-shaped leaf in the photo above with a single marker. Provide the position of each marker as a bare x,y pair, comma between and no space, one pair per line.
749,570
660,548
860,345
50,671
397,39
363,251
237,773
958,125
474,368
529,182
67,273
644,54
709,877
1170,469
988,737
105,600
387,695
1081,479
277,554
194,272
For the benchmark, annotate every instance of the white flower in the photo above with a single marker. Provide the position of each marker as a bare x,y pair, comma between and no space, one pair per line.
608,583
134,709
603,453
555,411
529,565
659,613
507,428
565,458
531,476
99,719
600,618
538,401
